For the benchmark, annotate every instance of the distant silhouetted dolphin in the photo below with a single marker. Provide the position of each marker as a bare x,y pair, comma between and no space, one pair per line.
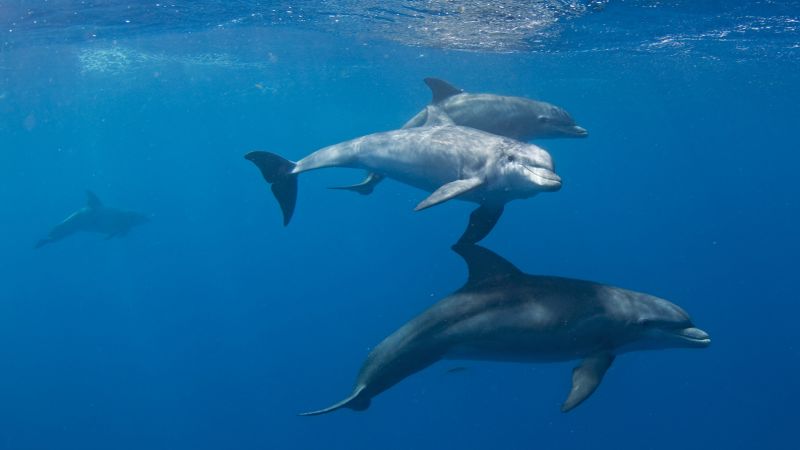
448,160
95,218
503,314
515,117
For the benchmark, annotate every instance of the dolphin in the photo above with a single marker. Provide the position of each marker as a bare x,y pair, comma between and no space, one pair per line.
96,218
448,160
502,314
514,117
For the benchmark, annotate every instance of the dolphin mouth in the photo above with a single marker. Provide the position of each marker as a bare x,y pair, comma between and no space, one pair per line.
694,336
545,178
579,131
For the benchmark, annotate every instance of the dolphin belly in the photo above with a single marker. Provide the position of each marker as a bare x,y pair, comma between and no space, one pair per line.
508,339
533,349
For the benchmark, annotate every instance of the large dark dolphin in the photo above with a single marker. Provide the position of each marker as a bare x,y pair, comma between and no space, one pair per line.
447,160
514,117
503,314
96,218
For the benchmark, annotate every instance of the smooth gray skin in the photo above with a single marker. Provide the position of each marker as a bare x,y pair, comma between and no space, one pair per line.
95,218
502,314
517,118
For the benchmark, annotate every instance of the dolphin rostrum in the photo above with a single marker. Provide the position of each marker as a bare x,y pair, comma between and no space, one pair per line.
515,117
502,314
447,160
96,218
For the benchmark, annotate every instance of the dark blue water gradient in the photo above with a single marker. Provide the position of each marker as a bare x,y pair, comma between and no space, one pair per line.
213,325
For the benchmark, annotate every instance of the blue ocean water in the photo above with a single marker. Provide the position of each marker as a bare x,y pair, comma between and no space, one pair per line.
213,325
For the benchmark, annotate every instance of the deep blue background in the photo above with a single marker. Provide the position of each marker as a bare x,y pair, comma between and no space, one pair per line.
212,326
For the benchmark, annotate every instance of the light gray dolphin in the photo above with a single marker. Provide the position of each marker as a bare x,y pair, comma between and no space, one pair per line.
515,117
95,218
447,160
502,314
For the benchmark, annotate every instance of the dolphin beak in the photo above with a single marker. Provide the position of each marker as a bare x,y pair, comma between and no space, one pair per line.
579,131
545,178
694,336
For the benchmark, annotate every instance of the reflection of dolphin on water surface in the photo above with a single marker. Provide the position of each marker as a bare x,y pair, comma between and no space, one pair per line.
502,314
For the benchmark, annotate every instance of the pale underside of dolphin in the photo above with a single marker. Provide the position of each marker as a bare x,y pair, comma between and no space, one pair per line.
518,118
449,161
502,314
95,218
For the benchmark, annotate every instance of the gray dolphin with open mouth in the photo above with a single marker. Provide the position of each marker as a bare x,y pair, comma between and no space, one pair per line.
502,314
95,218
448,160
518,118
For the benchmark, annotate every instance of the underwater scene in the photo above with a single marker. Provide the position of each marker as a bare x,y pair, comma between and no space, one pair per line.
405,224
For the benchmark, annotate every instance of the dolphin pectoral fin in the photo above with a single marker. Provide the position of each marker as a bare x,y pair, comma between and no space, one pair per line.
441,89
365,187
481,222
585,379
277,171
448,191
353,402
92,201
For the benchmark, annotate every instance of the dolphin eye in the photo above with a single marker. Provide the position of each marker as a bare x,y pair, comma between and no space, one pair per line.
510,158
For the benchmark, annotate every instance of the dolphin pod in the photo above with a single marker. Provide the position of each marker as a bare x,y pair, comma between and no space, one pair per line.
95,218
514,117
473,147
470,147
502,314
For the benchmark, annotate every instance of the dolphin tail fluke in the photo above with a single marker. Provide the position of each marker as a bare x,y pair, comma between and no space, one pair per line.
365,187
278,173
481,222
354,401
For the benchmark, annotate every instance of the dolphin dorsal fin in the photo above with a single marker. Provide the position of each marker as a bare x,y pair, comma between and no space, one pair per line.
435,116
484,264
92,201
441,89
